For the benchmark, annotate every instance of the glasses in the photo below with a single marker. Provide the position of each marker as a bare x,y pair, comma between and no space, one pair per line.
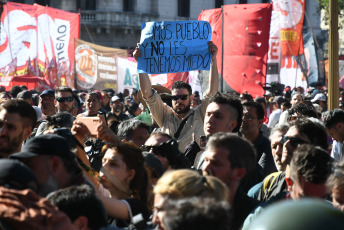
63,99
155,149
182,97
248,117
294,141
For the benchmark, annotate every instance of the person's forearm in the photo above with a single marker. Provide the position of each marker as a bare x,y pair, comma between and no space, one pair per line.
145,85
213,78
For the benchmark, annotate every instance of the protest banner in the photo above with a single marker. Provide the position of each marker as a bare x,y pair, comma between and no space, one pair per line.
96,66
39,34
127,75
177,46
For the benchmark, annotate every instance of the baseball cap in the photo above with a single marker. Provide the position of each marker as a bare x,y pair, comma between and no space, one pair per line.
115,98
49,92
279,100
16,175
319,97
24,95
48,144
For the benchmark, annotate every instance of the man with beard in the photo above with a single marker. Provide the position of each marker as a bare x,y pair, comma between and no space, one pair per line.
17,120
117,109
64,99
52,162
229,158
180,121
46,102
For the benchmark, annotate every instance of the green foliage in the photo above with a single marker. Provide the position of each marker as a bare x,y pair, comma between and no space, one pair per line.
324,4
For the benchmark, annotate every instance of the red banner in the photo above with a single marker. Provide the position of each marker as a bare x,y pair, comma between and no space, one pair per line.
214,17
34,32
246,40
291,21
246,43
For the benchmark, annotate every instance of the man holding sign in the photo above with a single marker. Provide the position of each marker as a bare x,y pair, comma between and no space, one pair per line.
184,46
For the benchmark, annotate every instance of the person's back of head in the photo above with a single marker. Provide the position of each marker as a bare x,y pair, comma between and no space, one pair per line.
196,213
311,163
332,117
188,183
313,130
126,128
79,202
15,90
241,152
304,214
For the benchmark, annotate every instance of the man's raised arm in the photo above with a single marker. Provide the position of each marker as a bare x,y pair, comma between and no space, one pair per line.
144,82
214,74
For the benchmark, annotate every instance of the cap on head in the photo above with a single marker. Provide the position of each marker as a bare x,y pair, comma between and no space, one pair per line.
115,98
14,174
319,97
24,95
49,144
49,92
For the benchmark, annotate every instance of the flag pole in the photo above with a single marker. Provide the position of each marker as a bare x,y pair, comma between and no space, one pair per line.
333,78
222,46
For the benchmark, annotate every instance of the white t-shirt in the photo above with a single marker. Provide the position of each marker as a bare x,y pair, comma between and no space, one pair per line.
274,118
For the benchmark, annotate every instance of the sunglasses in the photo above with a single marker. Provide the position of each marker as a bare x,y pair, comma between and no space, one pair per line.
294,141
63,99
154,148
182,97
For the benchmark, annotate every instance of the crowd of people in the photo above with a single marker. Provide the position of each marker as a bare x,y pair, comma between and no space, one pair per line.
171,159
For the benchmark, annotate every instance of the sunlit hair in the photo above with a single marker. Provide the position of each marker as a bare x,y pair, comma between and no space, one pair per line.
187,183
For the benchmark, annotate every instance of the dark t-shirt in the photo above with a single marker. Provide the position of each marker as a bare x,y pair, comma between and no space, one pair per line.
135,207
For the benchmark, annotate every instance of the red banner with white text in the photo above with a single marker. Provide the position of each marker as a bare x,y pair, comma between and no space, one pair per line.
38,37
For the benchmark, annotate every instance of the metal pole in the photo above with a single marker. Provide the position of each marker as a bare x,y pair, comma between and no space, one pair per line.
333,78
222,45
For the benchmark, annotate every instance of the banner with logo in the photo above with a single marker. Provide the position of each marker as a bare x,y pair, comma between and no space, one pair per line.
35,36
96,66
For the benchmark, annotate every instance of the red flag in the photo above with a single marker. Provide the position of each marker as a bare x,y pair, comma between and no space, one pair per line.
214,17
291,21
246,42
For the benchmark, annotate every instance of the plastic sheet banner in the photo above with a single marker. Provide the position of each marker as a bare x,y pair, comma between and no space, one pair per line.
35,35
96,66
176,46
246,40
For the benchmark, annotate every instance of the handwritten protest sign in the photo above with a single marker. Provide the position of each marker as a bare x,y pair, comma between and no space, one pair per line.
171,47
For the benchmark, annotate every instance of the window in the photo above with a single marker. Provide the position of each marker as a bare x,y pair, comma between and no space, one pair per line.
42,2
86,4
218,3
184,8
128,5
242,1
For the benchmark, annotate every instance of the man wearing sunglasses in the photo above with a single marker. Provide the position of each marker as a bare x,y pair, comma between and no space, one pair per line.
301,131
64,99
170,120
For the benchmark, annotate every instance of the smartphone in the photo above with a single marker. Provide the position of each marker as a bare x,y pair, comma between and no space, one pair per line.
91,123
202,141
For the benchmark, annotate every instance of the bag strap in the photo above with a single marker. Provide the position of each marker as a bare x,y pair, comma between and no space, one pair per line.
181,126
